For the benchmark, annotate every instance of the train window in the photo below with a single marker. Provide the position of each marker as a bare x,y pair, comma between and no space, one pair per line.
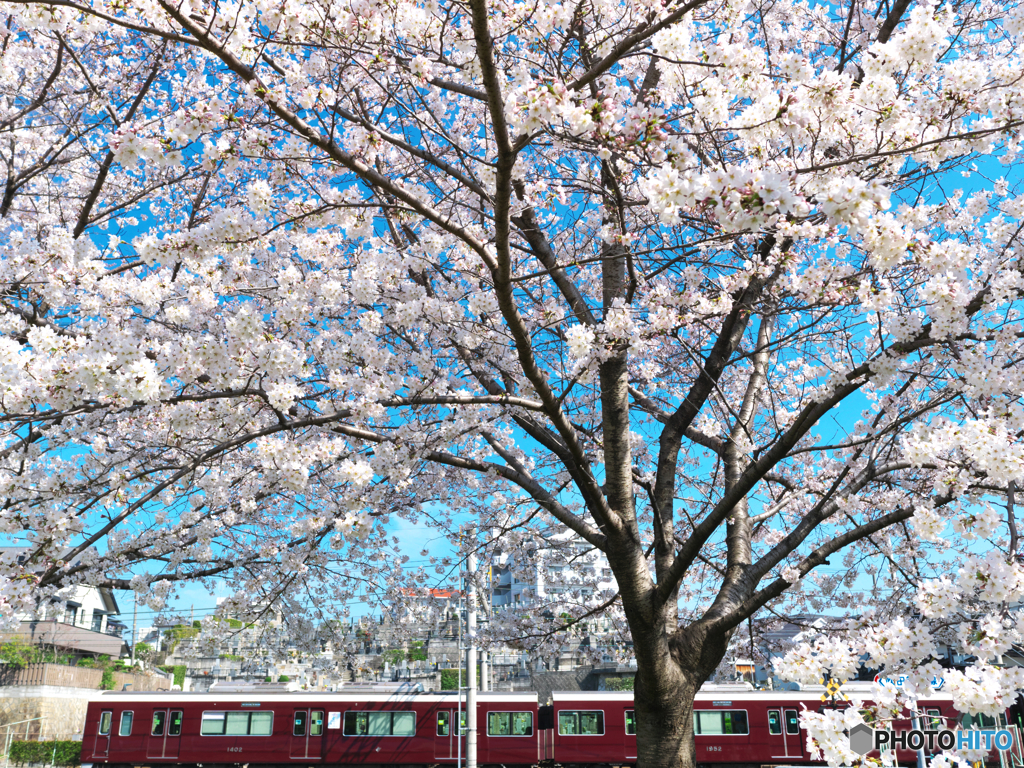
316,723
158,723
580,723
174,728
380,724
105,720
510,723
261,723
934,719
732,722
403,723
213,724
792,722
299,724
980,721
125,729
444,723
774,722
630,722
237,724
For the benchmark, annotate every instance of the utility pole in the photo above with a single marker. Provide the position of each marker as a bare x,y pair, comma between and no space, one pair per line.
458,718
487,602
471,653
135,632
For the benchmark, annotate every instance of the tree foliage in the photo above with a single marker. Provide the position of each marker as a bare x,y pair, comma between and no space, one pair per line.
16,653
728,291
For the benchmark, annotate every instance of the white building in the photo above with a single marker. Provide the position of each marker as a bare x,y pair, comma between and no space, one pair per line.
561,565
561,571
86,622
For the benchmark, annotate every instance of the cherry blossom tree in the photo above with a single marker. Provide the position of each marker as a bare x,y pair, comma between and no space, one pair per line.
728,290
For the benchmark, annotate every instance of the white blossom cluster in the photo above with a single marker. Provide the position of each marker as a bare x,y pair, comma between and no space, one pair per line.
293,292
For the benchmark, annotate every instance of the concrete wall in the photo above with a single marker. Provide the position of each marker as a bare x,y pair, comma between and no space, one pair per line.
62,710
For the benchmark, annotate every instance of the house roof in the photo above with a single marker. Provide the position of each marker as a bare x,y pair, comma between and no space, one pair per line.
439,594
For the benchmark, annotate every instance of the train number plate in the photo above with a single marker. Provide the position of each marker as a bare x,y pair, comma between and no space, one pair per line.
714,749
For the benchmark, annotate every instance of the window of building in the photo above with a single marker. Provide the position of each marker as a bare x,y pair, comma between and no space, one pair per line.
792,722
580,723
125,729
509,723
630,722
774,722
730,722
237,724
174,727
379,724
158,723
105,719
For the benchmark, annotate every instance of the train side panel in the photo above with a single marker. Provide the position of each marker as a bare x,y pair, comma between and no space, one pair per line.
739,728
306,730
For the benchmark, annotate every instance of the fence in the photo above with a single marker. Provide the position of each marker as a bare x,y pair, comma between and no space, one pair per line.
78,677
1014,756
141,682
52,674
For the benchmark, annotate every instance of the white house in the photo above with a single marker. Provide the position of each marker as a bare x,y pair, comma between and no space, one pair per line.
86,623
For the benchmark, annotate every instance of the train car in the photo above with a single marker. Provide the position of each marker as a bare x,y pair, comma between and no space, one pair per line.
158,728
733,726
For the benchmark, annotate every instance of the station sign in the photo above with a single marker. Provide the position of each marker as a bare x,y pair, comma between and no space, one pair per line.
897,682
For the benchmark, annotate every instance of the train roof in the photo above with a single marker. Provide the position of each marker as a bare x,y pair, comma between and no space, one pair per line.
175,697
734,694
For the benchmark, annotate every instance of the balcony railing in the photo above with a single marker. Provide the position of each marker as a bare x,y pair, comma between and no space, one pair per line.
71,636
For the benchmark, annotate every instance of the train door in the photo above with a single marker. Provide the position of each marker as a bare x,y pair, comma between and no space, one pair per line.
165,734
173,738
446,736
784,733
102,745
791,718
307,734
629,734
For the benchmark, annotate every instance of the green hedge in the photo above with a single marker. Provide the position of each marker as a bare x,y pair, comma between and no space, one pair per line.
57,752
450,679
179,673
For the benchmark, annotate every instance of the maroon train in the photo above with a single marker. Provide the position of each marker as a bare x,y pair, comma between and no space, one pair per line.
733,726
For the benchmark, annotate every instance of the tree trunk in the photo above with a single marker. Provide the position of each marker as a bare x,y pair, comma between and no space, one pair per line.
664,695
664,728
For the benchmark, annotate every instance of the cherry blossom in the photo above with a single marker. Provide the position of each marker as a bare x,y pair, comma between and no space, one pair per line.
730,294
